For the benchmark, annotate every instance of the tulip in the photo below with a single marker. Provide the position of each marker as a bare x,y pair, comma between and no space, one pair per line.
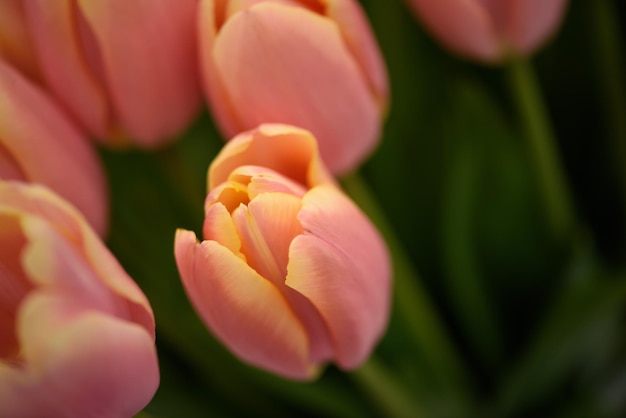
490,30
313,64
76,333
126,70
39,144
291,274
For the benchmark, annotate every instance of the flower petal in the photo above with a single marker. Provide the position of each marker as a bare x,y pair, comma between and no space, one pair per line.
40,202
93,366
361,42
285,149
281,64
148,49
48,148
342,266
464,26
244,310
532,21
58,47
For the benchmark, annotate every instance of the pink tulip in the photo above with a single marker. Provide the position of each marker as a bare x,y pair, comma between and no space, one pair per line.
291,274
39,144
309,63
490,30
126,70
76,333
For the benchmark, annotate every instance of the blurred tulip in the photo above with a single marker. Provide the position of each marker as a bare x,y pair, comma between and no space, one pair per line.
291,274
309,63
489,30
76,333
126,70
39,144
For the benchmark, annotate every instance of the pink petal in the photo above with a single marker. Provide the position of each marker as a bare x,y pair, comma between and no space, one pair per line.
532,21
287,150
210,16
148,50
48,149
245,311
44,204
93,366
266,227
342,266
464,26
281,64
360,40
58,47
16,46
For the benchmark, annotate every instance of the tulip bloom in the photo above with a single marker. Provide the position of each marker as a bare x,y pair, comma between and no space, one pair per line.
126,70
489,30
291,274
76,333
309,63
39,144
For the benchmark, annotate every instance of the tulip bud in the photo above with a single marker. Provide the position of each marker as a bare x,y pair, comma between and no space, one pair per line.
126,70
490,30
76,333
39,144
313,64
291,274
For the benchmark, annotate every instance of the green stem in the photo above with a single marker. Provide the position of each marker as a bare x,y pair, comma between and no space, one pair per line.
611,68
412,300
391,397
542,147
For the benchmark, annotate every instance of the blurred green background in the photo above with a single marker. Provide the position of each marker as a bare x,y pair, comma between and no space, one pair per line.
493,316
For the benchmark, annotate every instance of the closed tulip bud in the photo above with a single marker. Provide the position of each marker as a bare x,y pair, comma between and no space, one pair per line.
309,63
490,30
76,333
126,70
290,274
39,144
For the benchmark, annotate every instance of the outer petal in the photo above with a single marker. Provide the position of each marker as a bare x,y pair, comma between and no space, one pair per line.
48,149
532,21
41,203
341,265
148,51
210,16
358,36
464,26
15,42
58,45
281,63
243,309
285,149
94,366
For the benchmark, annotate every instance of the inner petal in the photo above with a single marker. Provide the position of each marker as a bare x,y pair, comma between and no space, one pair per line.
14,285
266,228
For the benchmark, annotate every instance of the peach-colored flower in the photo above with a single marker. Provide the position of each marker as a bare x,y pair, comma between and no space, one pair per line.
309,63
291,274
76,333
39,144
126,70
490,30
